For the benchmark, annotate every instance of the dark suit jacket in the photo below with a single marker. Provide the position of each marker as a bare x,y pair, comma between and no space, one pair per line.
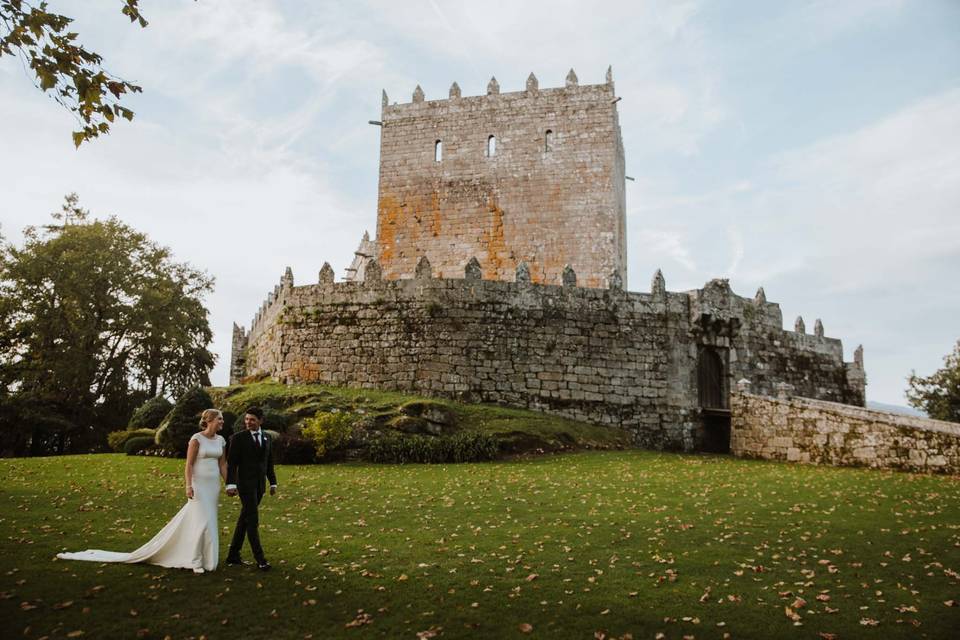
248,466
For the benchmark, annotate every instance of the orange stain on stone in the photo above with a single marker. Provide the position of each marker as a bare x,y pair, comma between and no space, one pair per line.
494,241
436,216
390,217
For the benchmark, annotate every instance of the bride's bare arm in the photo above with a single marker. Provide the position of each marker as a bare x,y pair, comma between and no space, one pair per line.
223,467
192,450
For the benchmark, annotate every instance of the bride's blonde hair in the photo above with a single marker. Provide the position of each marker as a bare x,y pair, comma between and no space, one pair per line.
208,415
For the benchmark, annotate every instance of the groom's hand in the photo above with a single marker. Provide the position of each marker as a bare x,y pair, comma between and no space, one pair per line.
273,490
231,492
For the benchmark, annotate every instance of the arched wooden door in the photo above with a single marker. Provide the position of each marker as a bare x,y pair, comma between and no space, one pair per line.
711,380
714,404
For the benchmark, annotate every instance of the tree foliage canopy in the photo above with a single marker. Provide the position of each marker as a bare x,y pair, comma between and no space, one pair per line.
96,319
938,394
74,76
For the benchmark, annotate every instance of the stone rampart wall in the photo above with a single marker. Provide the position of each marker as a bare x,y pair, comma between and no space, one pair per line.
601,355
812,431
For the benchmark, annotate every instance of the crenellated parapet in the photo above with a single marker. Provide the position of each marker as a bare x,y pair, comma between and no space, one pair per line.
532,89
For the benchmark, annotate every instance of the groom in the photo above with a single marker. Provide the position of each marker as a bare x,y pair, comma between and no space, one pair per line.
249,464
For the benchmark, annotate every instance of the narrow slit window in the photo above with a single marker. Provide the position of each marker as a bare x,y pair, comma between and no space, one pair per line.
491,146
548,141
438,151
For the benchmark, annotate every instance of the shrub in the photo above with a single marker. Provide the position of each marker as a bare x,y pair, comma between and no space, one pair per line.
150,414
183,420
229,420
292,450
137,444
472,447
462,447
329,431
275,420
117,439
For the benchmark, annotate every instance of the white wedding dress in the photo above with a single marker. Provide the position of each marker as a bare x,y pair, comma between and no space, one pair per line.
191,539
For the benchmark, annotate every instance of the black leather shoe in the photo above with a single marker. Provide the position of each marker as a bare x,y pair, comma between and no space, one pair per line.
236,562
264,566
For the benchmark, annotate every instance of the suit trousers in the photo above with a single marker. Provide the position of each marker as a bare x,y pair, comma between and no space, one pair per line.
248,526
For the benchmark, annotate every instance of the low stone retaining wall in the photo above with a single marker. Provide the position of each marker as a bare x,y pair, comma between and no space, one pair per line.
818,432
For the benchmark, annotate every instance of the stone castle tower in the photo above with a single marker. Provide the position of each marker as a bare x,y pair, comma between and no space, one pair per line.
498,274
534,176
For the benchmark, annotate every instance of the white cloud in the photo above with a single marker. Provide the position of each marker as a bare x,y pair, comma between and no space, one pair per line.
881,201
662,245
860,229
250,150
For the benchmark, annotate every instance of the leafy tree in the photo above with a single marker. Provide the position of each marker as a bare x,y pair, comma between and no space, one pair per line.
150,414
938,394
74,76
183,420
97,318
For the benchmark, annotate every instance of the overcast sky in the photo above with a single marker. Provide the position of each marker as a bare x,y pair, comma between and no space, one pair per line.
812,148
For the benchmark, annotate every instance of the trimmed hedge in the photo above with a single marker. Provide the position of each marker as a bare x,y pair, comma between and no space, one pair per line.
118,439
135,445
150,414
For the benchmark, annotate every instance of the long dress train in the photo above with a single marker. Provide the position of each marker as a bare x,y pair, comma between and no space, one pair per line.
191,539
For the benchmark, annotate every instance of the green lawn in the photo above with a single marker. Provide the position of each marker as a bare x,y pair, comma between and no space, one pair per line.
619,542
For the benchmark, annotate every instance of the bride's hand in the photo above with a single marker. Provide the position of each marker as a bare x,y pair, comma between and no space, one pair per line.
190,493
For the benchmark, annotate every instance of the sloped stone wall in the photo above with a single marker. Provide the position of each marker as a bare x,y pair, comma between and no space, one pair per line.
805,430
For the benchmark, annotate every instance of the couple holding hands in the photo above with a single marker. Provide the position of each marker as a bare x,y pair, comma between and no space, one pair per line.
191,540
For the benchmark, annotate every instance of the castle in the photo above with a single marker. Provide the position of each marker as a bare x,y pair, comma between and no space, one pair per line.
498,274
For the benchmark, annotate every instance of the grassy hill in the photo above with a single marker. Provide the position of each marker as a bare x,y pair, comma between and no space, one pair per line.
517,430
587,545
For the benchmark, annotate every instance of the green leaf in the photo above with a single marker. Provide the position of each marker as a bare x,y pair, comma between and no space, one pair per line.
47,80
78,138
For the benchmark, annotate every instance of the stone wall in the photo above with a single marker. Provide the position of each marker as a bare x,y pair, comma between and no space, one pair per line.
805,430
607,356
547,199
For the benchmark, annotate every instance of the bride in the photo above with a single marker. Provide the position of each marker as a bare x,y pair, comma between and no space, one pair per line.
191,539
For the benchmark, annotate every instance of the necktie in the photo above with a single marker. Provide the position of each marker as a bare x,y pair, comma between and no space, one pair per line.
257,438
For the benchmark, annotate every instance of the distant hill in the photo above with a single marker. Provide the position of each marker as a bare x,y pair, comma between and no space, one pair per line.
895,408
